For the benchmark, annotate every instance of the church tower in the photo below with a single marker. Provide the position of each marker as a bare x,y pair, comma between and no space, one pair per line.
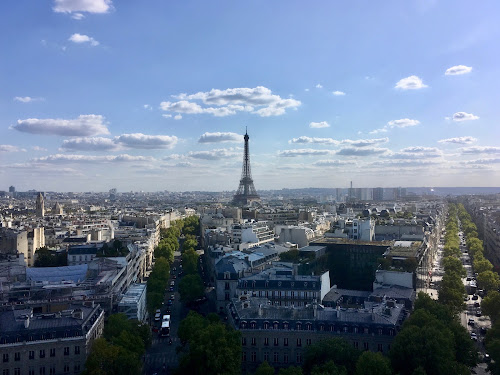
40,206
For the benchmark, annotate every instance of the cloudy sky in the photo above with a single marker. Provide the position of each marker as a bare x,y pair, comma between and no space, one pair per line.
156,95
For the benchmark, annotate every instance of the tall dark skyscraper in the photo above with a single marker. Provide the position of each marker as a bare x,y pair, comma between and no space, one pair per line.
246,192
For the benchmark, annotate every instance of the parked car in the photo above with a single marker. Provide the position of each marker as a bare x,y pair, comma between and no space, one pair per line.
475,297
473,336
478,313
471,322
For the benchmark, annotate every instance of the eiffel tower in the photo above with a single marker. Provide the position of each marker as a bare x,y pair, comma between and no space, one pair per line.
246,192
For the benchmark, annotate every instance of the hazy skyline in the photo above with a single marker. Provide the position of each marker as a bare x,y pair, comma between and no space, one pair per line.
152,96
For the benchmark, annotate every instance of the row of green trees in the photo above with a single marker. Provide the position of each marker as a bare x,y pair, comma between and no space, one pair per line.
119,352
191,286
486,278
489,281
452,290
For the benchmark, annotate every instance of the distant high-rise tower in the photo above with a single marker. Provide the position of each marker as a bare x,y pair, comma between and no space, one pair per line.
40,205
246,192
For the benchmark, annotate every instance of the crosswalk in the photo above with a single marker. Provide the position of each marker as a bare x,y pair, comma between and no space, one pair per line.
164,340
156,361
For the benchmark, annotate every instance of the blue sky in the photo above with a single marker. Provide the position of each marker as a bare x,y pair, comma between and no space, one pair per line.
155,95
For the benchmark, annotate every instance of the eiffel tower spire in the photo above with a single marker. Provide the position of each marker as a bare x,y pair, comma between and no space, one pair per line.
246,192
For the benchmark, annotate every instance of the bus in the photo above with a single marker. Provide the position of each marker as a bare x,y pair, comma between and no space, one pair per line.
165,328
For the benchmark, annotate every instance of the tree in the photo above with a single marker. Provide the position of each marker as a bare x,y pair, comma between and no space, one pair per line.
452,291
264,369
488,280
50,258
492,343
290,256
189,244
337,350
491,305
190,288
190,261
452,264
329,368
108,359
213,348
370,363
292,370
482,264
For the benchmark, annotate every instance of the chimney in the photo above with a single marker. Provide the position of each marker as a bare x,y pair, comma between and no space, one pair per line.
27,322
260,310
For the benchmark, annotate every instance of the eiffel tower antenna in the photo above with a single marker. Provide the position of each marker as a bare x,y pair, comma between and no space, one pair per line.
246,192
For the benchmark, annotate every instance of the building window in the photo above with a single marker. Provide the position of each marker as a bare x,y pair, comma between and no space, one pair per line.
77,367
243,341
244,357
254,341
226,286
52,370
53,352
66,350
285,325
254,357
31,371
266,356
275,325
32,355
299,358
66,368
6,357
276,341
285,358
266,341
5,372
379,331
266,325
17,371
299,342
42,355
226,296
365,345
17,356
299,326
380,348
42,370
308,327
285,341
77,349
308,342
276,357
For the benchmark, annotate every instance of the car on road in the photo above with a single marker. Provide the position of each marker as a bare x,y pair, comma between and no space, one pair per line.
487,358
174,269
169,303
158,315
473,336
172,283
478,313
483,330
174,277
471,322
475,297
171,289
476,304
172,297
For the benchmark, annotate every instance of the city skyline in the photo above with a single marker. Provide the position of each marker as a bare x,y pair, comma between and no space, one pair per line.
99,94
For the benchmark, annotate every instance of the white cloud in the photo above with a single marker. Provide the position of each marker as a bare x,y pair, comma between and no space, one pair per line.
458,70
177,117
365,142
484,161
258,100
220,137
10,148
480,150
361,151
405,163
333,163
420,149
79,39
319,86
82,126
319,125
89,144
304,139
26,99
464,116
303,152
459,140
173,157
184,164
410,83
143,141
61,158
168,116
147,106
402,123
416,152
90,6
338,93
38,148
306,89
216,154
77,16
